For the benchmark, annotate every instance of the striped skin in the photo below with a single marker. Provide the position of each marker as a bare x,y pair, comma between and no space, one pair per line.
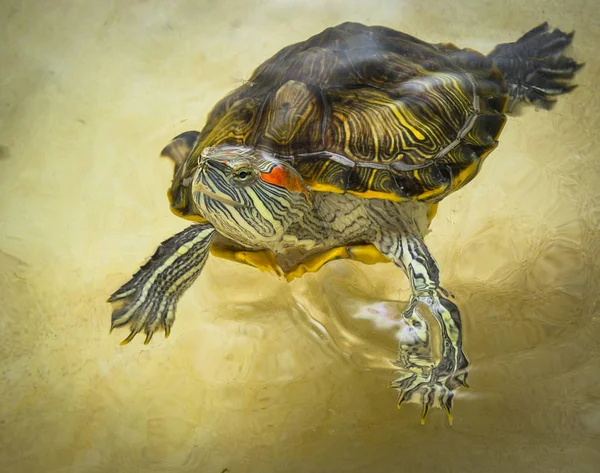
366,111
435,384
147,302
249,197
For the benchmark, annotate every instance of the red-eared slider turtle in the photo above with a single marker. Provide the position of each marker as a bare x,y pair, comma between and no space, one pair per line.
341,146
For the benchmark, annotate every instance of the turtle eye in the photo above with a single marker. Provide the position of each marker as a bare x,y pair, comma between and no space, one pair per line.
243,175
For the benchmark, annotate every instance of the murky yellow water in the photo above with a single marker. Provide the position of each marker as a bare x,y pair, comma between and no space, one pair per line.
260,375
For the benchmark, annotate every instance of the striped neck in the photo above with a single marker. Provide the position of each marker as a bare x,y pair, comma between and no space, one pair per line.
248,195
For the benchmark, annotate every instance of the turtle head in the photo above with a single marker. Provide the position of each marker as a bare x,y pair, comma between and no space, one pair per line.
248,195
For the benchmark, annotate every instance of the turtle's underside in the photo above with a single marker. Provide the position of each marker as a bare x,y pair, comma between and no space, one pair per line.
341,147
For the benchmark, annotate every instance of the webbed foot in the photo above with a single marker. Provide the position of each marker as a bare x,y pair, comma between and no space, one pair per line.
435,387
147,302
148,313
435,383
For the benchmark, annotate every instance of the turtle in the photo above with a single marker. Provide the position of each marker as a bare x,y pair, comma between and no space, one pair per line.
341,147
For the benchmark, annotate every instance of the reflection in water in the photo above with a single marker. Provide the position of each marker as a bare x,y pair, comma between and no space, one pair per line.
260,374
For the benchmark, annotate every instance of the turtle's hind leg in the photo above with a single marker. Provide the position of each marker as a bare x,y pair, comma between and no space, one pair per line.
147,302
435,384
535,68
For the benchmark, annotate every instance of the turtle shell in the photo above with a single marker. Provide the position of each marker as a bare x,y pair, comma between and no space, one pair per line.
362,110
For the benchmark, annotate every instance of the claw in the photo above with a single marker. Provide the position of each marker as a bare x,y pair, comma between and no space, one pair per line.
446,403
142,318
462,379
433,388
130,337
427,402
424,413
401,399
449,414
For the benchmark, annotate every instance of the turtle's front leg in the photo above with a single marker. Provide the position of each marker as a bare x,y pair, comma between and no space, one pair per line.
435,383
148,300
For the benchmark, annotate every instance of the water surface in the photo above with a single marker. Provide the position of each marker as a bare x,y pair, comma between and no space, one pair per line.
260,375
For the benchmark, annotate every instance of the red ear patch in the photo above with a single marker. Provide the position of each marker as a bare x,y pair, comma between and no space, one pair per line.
283,177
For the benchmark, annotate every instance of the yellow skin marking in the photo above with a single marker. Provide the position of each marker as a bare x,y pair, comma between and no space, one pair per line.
266,261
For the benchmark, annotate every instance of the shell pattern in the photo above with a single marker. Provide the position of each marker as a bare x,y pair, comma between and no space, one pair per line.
368,111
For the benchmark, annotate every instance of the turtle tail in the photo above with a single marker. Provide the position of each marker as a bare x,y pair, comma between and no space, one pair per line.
534,67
